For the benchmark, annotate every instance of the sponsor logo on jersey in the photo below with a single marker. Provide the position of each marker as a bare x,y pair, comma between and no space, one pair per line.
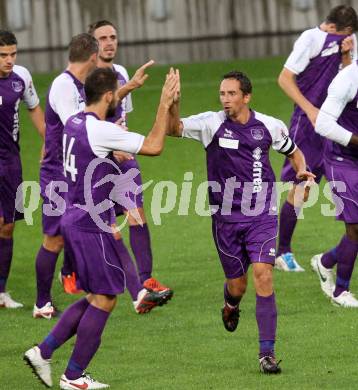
17,86
257,170
257,134
256,154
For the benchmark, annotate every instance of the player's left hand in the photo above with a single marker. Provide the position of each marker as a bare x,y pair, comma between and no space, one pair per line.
347,45
140,76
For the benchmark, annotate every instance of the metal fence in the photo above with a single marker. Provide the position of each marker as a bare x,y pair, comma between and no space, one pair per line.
170,31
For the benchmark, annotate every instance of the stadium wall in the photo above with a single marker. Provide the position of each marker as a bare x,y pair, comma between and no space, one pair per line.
169,31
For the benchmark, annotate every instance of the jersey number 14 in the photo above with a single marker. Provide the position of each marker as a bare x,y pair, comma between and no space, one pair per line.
69,159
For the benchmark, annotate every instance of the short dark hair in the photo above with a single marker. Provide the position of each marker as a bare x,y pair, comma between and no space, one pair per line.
100,23
7,38
343,16
99,82
245,83
81,47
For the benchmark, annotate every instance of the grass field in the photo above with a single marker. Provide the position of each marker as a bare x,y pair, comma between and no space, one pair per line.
184,345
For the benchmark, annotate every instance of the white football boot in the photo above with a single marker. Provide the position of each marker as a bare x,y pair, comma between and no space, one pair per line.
287,262
41,367
84,382
325,275
345,299
46,311
7,302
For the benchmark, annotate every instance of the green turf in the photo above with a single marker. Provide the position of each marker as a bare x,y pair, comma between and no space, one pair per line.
184,345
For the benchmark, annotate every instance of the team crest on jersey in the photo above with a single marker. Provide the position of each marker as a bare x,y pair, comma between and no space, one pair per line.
256,154
228,133
257,134
17,86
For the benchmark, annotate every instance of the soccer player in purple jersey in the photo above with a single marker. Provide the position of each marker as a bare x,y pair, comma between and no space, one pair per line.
89,139
15,86
338,121
106,34
315,60
65,97
237,141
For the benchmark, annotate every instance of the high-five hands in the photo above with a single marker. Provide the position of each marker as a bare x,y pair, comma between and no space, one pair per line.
171,88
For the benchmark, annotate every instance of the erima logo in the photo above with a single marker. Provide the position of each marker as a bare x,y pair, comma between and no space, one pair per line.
332,48
257,170
228,133
77,121
272,252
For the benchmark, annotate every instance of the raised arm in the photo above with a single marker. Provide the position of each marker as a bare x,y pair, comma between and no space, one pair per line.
154,142
136,81
175,127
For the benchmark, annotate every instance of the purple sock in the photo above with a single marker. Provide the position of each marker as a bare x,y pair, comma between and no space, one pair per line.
329,259
347,251
89,334
65,328
6,246
45,270
232,301
67,268
133,283
266,317
288,220
140,243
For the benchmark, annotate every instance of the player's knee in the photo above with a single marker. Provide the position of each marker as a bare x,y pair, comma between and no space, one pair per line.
7,230
263,277
53,243
237,288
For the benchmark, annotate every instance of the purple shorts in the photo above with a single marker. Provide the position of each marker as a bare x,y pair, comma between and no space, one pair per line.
10,179
239,244
96,260
52,202
340,175
137,199
312,146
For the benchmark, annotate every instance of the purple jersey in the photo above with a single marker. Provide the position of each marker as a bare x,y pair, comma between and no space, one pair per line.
239,171
315,60
88,140
14,88
125,105
65,98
